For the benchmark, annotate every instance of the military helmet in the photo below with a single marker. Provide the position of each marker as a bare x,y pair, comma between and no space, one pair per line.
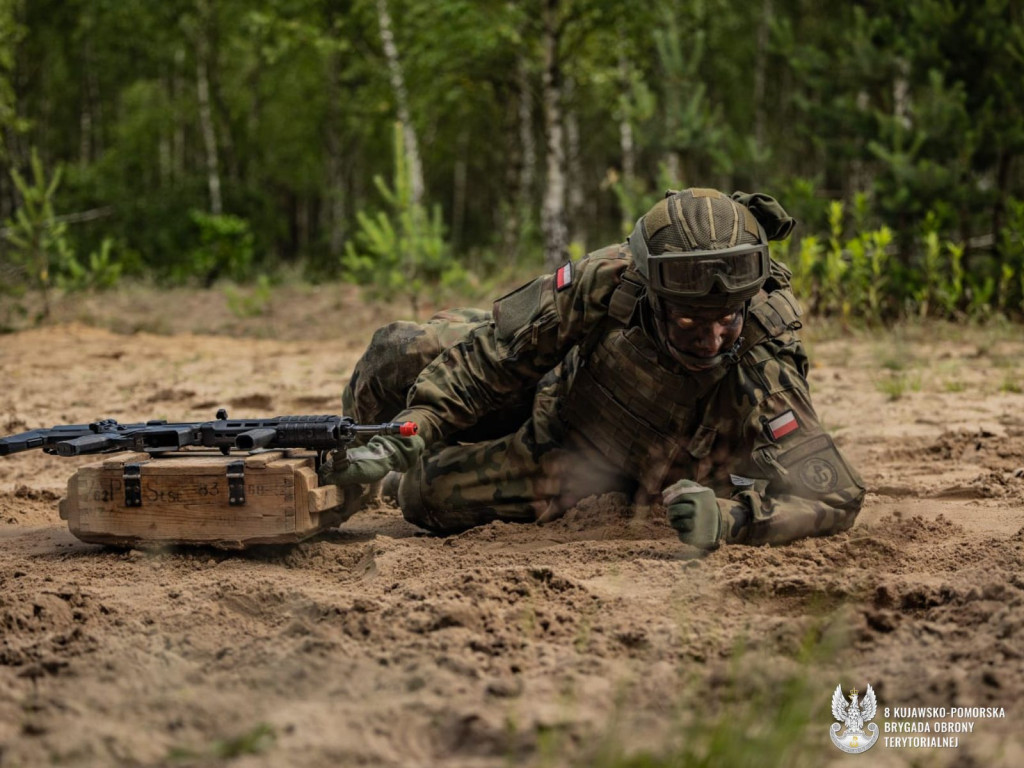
700,247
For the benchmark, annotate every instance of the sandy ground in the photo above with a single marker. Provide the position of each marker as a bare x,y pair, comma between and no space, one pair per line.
588,641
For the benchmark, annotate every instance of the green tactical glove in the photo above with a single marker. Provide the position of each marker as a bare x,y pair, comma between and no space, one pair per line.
369,463
693,512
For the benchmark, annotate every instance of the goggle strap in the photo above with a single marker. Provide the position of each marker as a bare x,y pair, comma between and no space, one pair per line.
638,245
625,298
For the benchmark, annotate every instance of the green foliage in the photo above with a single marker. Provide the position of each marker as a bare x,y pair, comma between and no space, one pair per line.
636,199
934,291
744,739
11,35
980,292
751,722
256,741
834,267
896,112
251,302
100,272
1011,383
863,278
38,240
692,126
801,198
897,383
225,249
402,251
1011,248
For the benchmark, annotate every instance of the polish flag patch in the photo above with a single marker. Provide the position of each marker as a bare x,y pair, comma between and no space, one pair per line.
782,425
563,277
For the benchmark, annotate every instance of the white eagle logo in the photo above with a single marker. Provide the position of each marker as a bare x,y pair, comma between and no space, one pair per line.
852,717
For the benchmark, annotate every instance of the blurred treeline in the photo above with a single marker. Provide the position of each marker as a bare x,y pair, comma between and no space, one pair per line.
417,143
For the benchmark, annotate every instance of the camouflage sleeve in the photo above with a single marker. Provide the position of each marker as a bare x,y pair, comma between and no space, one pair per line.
807,487
534,327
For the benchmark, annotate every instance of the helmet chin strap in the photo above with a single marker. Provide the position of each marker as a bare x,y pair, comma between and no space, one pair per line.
693,361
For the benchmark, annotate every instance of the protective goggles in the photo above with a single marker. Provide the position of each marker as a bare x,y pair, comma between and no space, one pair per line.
692,274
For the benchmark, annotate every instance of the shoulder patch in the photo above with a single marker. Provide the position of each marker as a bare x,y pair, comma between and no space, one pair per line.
816,468
563,277
782,425
518,309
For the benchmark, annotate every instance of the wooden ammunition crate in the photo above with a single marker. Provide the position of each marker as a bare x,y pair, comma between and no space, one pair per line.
231,502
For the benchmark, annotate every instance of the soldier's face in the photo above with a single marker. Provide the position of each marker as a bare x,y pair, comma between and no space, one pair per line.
702,332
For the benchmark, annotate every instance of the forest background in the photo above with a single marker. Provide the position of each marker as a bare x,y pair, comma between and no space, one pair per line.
425,147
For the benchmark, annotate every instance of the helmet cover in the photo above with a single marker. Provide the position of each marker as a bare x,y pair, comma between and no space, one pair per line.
700,247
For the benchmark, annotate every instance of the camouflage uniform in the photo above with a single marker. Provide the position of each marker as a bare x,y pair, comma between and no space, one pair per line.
575,399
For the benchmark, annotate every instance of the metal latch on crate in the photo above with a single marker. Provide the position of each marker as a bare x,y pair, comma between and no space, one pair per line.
132,476
236,483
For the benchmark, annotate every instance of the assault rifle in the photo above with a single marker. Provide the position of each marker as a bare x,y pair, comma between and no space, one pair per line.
316,433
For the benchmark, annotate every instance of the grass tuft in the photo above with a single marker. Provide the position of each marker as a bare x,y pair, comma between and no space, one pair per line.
253,742
1011,383
895,385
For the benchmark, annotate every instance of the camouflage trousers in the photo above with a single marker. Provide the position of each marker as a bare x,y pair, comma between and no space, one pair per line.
519,465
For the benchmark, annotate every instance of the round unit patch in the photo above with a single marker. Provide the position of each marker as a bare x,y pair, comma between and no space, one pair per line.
819,475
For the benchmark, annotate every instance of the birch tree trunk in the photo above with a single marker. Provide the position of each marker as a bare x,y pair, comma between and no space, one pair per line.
901,92
556,237
1003,169
163,158
760,91
674,168
205,113
334,208
859,179
507,216
460,181
527,140
85,118
165,155
178,136
575,170
412,152
522,162
627,144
